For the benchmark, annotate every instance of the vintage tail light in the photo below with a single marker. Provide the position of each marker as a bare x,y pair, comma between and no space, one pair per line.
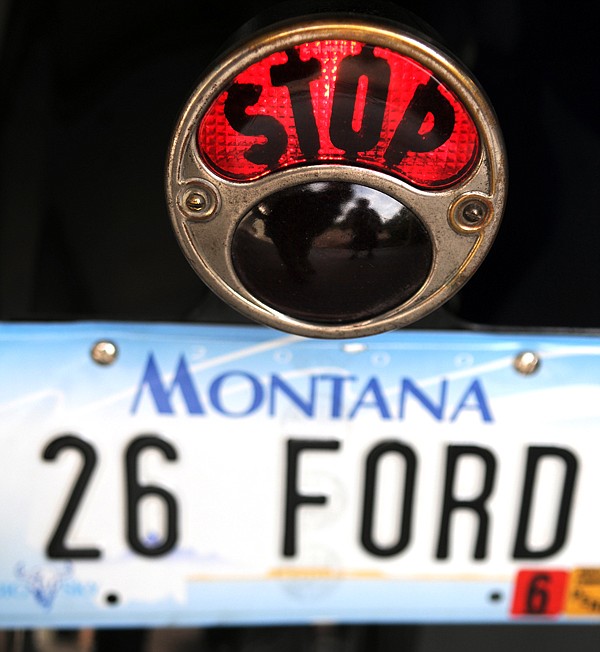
336,176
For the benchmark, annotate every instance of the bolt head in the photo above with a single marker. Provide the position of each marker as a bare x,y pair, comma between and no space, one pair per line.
527,363
104,352
196,201
199,201
470,213
474,212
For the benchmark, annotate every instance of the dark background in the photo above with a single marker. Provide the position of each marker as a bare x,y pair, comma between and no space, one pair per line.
91,92
89,95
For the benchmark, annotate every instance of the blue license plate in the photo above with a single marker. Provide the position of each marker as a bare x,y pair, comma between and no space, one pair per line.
201,475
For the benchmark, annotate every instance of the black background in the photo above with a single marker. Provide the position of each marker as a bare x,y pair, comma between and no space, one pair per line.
89,95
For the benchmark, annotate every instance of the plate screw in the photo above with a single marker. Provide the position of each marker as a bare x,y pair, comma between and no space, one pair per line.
104,352
527,362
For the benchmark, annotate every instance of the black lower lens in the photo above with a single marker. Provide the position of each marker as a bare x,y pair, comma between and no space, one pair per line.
331,253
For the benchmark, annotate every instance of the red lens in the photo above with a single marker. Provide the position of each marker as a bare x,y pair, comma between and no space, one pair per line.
339,101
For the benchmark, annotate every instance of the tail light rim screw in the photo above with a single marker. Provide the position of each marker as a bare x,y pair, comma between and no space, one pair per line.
474,212
199,201
470,213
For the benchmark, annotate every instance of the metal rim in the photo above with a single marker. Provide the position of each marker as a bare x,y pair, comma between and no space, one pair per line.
459,247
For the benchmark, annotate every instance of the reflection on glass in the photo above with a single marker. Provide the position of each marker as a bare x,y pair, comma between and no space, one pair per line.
331,252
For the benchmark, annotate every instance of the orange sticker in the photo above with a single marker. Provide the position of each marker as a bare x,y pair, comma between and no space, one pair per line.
583,596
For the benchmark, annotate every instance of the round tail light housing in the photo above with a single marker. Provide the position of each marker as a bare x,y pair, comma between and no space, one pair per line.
337,176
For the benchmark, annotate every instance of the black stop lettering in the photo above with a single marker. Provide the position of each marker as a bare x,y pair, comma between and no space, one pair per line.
376,73
239,98
296,75
426,100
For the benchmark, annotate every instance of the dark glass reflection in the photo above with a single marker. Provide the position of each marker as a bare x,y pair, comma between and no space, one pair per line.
331,253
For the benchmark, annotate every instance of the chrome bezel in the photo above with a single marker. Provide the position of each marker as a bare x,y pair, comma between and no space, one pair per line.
457,252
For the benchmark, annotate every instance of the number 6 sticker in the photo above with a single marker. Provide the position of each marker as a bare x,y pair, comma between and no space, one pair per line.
540,592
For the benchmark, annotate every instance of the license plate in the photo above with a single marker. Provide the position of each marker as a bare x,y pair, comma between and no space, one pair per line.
200,475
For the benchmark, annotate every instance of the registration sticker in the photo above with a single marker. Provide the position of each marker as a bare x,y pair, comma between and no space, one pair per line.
200,475
584,592
540,592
